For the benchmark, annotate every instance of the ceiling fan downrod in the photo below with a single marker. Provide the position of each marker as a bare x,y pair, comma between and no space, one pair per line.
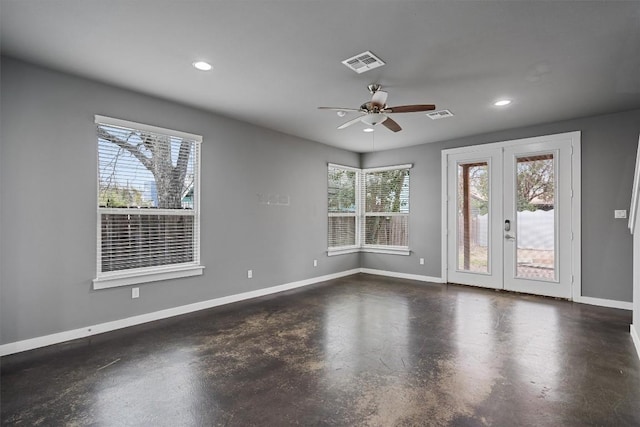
374,87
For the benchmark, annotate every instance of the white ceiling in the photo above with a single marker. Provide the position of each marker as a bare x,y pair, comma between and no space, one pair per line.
276,61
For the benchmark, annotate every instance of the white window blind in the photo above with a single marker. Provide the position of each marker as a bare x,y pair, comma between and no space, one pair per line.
368,209
385,200
148,199
342,202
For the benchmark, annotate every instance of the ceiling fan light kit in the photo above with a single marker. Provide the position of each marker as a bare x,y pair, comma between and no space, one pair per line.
374,119
376,111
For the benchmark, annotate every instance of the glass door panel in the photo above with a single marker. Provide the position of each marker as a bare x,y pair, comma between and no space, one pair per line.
473,217
535,218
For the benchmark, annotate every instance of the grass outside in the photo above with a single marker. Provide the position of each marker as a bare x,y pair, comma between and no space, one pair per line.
531,264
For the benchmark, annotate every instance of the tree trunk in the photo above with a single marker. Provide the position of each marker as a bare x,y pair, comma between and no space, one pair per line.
169,179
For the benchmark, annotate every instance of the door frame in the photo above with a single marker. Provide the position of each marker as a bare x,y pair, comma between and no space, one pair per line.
576,185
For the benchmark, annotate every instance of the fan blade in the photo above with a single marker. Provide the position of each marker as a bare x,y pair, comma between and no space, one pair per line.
339,109
410,108
350,122
379,98
392,125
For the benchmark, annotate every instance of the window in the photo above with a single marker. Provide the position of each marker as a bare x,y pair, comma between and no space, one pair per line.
368,209
386,208
148,203
342,197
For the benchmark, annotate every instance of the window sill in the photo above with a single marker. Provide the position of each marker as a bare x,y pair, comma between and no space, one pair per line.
113,280
333,252
388,251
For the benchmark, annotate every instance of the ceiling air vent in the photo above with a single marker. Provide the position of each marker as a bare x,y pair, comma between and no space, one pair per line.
363,62
442,114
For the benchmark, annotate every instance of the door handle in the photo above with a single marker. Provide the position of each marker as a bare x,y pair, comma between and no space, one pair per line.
509,237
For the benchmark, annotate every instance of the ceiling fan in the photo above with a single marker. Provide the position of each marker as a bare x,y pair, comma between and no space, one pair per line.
376,111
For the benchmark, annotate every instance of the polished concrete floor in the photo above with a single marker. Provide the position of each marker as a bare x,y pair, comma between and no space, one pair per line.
361,350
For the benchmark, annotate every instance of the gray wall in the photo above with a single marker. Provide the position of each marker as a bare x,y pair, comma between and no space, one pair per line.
48,210
609,146
48,196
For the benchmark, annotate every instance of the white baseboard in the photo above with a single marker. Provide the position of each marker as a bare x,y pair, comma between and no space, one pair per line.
402,275
623,305
635,335
605,302
43,341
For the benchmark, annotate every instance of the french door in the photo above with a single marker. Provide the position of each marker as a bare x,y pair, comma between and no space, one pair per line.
511,215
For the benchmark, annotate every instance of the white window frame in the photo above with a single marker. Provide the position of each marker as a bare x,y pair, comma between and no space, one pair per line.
338,250
112,279
361,215
384,249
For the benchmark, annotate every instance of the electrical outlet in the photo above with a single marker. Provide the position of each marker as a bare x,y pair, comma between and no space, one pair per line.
315,262
620,213
250,274
421,261
135,292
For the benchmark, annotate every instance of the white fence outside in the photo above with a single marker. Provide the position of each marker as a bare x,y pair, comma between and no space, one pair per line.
534,230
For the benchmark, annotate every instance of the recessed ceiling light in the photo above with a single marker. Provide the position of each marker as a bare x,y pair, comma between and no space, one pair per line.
502,102
368,130
341,113
202,66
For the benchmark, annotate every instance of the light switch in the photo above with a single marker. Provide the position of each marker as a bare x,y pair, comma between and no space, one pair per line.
622,213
